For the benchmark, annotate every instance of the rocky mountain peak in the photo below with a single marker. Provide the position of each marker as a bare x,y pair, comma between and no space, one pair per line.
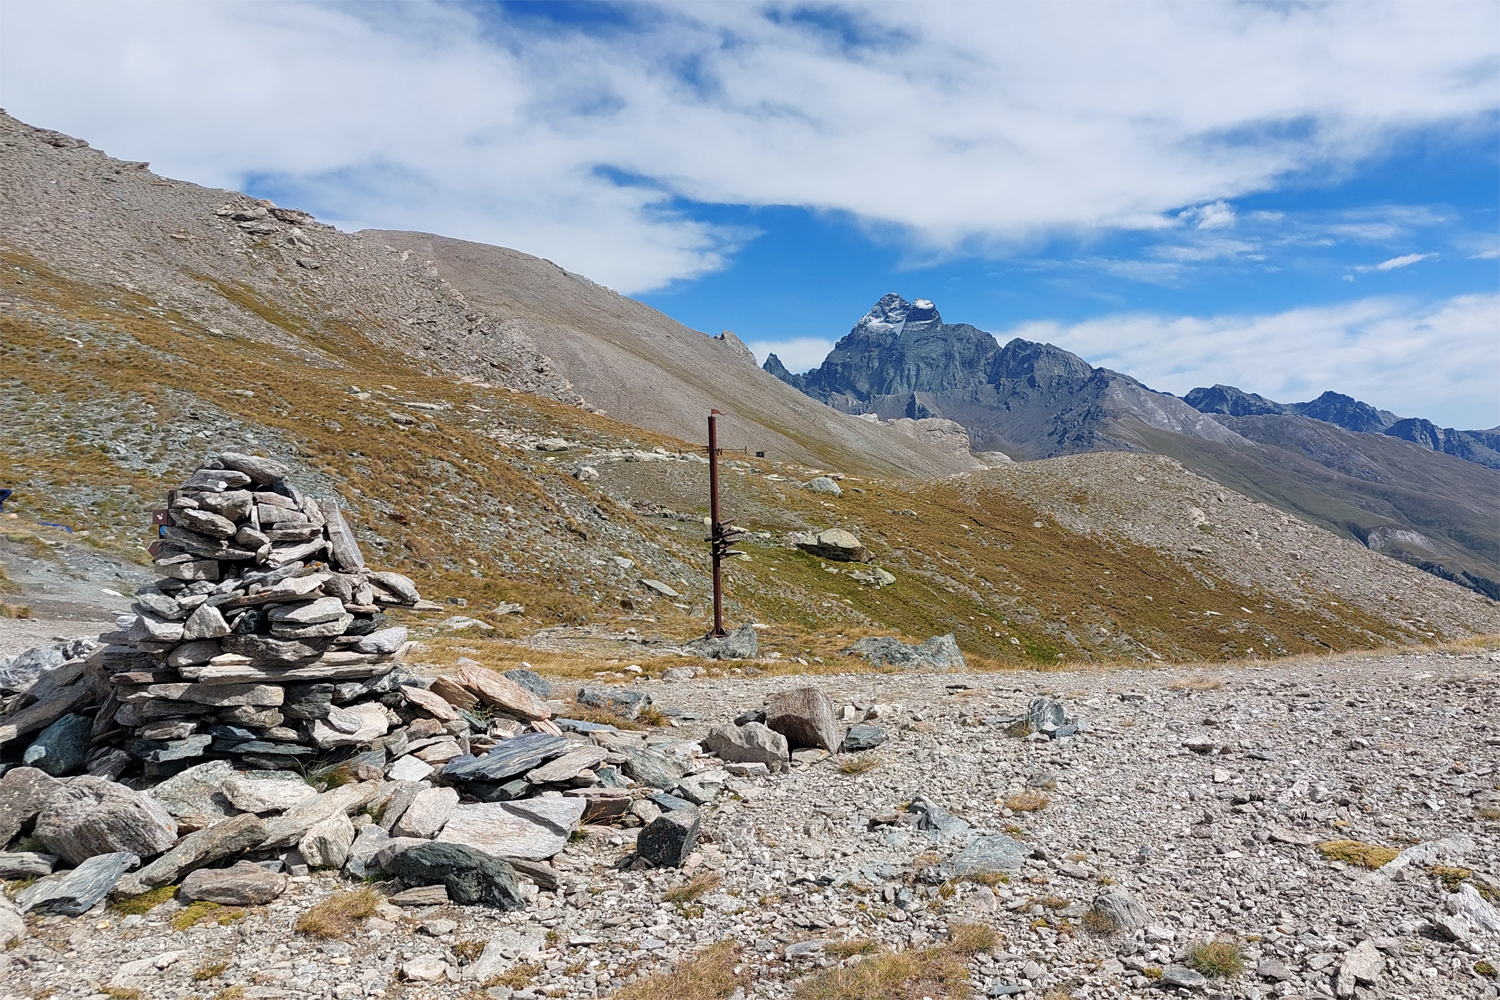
1345,411
1232,401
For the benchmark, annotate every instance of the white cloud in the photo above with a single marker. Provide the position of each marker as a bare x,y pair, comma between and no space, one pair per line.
1406,260
798,354
1438,361
1219,215
957,127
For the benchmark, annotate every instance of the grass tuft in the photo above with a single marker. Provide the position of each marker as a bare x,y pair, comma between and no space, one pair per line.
859,763
1356,852
209,971
469,949
1218,959
691,890
1027,801
14,610
940,971
235,992
1451,877
517,977
121,992
340,914
851,949
712,974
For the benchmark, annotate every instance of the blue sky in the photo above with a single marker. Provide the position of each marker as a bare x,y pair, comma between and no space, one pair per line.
1290,198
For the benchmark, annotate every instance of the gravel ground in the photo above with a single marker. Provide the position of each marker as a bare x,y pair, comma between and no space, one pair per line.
1392,750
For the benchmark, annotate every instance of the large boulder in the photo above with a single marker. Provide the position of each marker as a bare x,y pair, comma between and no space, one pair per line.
23,791
326,843
244,884
89,816
470,875
620,701
741,644
836,544
805,717
426,815
940,652
196,791
751,743
996,854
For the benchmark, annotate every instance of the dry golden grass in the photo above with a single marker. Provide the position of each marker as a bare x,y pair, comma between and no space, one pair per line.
340,914
939,972
699,885
712,974
1356,852
517,977
235,992
1026,801
852,949
1198,682
1451,877
859,763
1219,959
211,970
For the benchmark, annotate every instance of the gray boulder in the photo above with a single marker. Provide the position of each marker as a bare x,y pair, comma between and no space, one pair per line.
25,865
991,855
75,892
531,681
62,747
89,816
805,717
196,791
1119,911
470,876
326,843
751,743
741,644
651,767
823,484
620,701
835,544
940,652
24,668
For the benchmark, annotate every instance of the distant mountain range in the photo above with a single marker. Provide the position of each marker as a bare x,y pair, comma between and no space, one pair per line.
1420,493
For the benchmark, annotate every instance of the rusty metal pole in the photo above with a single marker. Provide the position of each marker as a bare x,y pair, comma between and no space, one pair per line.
715,531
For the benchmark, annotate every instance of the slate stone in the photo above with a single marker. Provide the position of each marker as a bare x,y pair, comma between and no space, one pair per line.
652,767
62,747
667,841
89,816
26,864
470,876
263,795
509,759
162,752
621,701
862,737
668,802
367,844
580,726
244,884
75,892
1119,910
289,828
531,681
383,641
206,622
326,843
508,791
989,855
1045,715
1183,977
308,701
428,811
805,717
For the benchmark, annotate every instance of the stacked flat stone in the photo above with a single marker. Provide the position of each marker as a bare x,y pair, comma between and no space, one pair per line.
265,641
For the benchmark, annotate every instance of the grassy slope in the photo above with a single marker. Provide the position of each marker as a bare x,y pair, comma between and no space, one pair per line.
469,518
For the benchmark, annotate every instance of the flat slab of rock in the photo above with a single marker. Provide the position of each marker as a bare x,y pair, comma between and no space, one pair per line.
533,829
244,884
89,816
863,736
26,865
621,701
509,759
568,765
327,842
264,795
652,767
223,839
289,828
940,652
196,791
805,717
428,812
504,693
75,892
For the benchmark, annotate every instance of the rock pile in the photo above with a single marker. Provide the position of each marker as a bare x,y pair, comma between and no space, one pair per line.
265,642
